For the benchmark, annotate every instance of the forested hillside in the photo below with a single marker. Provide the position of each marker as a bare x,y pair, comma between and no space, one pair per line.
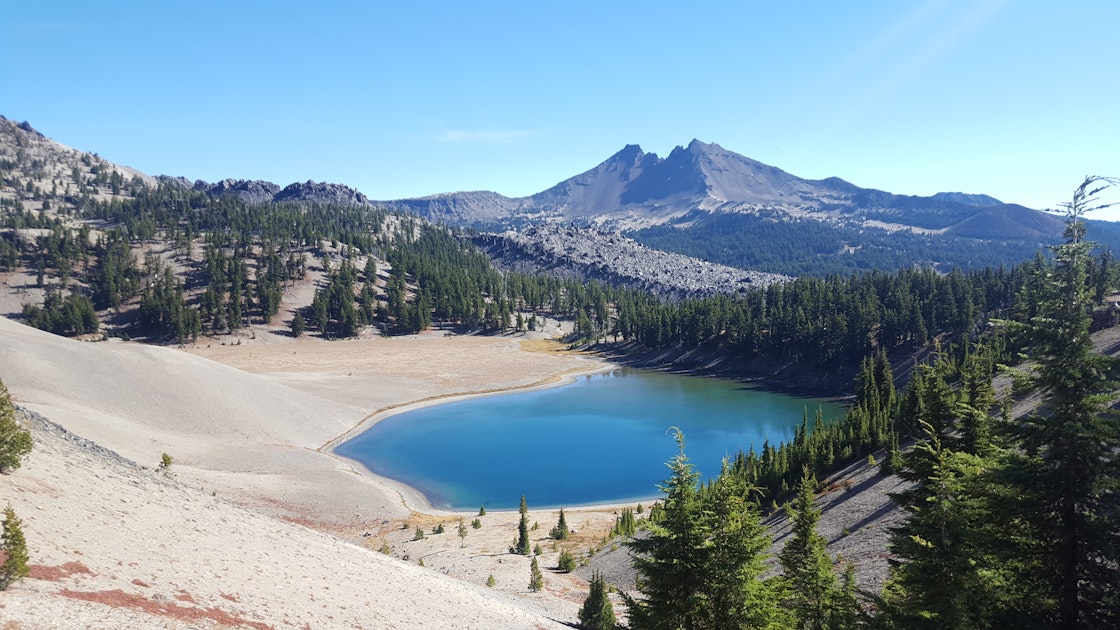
781,245
1010,523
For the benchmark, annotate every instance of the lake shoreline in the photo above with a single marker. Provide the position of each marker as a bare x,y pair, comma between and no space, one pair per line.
417,499
414,499
789,378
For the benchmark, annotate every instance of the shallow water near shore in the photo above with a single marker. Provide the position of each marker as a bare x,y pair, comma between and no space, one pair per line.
602,439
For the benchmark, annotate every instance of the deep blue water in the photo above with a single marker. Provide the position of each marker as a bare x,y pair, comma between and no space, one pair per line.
601,439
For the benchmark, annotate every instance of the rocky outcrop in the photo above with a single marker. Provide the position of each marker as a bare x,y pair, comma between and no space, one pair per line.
259,191
255,191
584,253
322,192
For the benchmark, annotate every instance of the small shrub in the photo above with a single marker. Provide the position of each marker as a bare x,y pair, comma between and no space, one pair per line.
476,523
438,529
567,562
490,581
14,546
15,440
482,512
419,534
164,465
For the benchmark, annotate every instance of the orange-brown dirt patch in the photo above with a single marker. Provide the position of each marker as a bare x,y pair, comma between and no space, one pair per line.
184,596
119,599
56,573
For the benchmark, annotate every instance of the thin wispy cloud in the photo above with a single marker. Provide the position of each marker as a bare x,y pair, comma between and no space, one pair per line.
483,136
912,61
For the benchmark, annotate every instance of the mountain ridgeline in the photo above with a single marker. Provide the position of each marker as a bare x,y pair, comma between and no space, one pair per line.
710,203
705,202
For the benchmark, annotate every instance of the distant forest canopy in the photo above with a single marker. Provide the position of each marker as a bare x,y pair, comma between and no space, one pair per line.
228,262
816,248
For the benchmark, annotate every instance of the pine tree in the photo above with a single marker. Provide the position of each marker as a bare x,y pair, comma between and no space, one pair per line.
561,531
810,580
846,610
566,562
597,613
700,565
463,531
737,595
523,545
943,574
625,525
977,399
14,546
1068,460
670,559
15,440
536,578
298,324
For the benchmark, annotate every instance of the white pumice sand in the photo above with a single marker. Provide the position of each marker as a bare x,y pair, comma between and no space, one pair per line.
261,526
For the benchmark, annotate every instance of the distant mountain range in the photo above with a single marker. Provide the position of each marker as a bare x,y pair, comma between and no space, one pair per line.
710,203
633,189
705,201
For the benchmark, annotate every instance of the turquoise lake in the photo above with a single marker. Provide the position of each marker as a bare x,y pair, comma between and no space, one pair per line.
601,439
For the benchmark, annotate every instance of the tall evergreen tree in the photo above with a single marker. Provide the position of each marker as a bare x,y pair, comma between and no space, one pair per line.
810,581
1068,465
701,563
561,531
942,576
523,545
736,594
669,561
597,613
536,578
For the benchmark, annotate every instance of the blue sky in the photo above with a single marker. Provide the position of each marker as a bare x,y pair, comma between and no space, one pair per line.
1016,99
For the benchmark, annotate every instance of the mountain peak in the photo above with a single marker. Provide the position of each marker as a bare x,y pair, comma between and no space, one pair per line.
699,146
629,151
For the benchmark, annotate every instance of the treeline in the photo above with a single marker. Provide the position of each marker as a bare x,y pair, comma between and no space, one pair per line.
402,275
835,320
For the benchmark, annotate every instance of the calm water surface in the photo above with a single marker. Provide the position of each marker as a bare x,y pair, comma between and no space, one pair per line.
601,439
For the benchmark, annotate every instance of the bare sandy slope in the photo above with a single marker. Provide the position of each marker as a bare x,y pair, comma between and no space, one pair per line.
116,546
258,441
